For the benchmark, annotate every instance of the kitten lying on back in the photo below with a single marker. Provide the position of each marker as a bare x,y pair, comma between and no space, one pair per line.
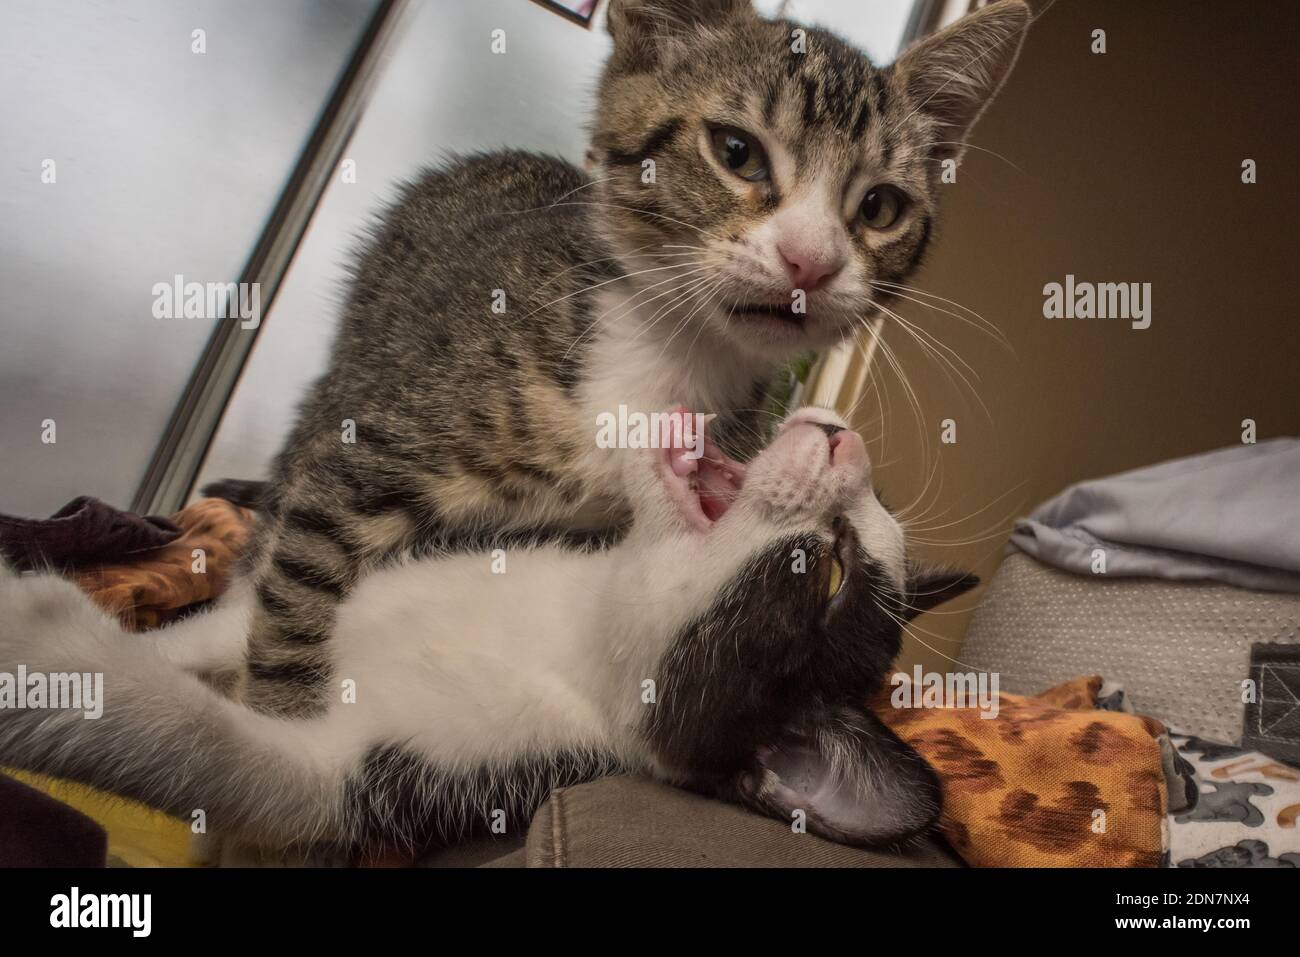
761,605
507,300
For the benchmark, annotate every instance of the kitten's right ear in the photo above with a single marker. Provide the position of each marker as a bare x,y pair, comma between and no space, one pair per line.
855,781
643,29
954,74
928,587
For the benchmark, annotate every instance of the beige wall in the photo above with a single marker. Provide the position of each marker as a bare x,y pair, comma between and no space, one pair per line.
1127,168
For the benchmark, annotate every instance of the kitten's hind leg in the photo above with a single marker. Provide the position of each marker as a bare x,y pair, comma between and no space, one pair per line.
310,559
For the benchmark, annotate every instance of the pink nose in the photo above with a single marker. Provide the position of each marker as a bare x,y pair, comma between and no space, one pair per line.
806,271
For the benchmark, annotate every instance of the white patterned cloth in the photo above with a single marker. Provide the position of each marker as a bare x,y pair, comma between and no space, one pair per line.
1247,812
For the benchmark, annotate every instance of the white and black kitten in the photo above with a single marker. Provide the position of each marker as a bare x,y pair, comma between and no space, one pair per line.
729,643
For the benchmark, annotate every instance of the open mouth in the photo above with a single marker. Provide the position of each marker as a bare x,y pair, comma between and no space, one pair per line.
702,480
780,311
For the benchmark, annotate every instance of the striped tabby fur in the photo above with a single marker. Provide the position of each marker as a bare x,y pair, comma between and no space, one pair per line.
620,289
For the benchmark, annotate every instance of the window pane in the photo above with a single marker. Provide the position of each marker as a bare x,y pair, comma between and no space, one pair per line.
166,162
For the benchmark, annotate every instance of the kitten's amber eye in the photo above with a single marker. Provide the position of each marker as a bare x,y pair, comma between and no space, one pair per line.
881,207
741,153
836,578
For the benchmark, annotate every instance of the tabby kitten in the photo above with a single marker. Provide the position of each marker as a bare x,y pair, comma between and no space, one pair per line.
751,184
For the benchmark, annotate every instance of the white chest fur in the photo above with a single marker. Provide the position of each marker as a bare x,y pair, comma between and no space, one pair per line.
646,362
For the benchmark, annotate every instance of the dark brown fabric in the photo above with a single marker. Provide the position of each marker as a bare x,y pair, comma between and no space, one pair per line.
84,530
632,821
38,831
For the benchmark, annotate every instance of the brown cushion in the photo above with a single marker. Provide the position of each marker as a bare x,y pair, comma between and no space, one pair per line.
630,821
478,852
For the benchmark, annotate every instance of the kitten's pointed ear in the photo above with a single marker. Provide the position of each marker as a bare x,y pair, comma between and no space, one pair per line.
642,29
854,780
927,587
954,74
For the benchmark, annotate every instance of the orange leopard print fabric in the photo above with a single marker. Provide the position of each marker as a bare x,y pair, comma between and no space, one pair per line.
1051,781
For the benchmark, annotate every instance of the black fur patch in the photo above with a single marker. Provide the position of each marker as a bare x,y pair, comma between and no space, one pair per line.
301,674
397,800
318,523
860,123
272,602
771,654
302,572
661,136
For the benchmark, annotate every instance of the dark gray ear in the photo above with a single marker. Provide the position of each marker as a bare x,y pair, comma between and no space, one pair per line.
927,587
954,74
854,780
642,29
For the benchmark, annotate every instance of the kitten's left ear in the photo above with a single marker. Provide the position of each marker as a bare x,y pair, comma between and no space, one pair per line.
854,780
928,587
954,74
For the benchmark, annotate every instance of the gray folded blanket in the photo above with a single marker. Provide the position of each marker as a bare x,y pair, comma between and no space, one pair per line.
1232,515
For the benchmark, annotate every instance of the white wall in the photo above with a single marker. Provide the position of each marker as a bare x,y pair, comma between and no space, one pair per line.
167,162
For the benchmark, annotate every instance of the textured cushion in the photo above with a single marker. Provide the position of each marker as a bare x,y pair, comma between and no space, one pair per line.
1180,649
632,821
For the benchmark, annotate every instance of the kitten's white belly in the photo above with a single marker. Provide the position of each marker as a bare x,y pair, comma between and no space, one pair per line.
513,671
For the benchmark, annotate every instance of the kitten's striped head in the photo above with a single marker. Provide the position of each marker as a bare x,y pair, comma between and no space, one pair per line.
747,161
